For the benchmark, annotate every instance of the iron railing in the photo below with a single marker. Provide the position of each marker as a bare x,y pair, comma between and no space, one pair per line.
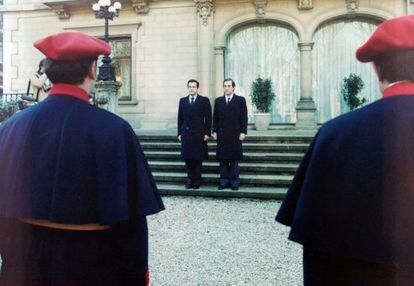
15,97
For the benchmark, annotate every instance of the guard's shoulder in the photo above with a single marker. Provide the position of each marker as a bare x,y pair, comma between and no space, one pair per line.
108,120
347,122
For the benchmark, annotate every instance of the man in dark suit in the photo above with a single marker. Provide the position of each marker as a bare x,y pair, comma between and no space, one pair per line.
351,203
229,129
194,129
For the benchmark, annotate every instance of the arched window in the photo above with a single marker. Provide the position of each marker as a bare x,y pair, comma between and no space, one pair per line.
334,59
266,50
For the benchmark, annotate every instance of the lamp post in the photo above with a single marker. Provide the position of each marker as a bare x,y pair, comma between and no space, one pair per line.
104,10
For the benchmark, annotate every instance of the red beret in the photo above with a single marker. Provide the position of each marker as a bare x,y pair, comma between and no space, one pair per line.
392,35
68,46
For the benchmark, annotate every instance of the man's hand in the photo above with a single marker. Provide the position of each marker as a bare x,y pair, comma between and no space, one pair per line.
242,136
179,138
206,137
214,135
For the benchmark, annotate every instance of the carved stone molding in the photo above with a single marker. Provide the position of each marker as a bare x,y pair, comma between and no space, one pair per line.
219,50
204,9
352,5
62,12
305,46
141,6
305,4
260,7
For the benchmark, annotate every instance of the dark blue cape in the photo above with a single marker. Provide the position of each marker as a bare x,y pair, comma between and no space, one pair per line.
353,194
67,161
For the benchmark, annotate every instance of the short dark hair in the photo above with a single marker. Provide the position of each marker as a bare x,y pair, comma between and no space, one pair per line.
396,66
70,72
193,80
41,64
229,79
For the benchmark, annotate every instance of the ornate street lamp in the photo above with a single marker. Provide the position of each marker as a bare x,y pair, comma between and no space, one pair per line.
104,10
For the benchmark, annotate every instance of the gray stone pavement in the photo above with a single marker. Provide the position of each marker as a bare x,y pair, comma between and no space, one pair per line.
221,242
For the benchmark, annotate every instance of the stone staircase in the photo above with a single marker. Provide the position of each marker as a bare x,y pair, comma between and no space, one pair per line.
270,161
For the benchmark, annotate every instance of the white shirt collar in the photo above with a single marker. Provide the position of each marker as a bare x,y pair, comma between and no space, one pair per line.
227,97
189,97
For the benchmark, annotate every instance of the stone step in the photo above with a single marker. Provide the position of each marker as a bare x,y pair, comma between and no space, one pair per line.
213,167
252,147
281,181
247,156
253,139
212,191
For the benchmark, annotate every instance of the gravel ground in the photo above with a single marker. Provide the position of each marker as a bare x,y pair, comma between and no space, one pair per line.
221,242
212,242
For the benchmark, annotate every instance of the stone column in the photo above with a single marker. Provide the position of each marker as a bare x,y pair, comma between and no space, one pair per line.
205,32
306,109
105,95
219,54
410,6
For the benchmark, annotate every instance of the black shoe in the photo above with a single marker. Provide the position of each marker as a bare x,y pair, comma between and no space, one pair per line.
235,188
221,187
196,187
188,186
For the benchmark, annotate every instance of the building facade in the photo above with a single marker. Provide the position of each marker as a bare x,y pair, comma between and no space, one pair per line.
1,50
305,46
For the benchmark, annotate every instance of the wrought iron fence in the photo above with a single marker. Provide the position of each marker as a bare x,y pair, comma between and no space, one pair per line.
15,97
10,103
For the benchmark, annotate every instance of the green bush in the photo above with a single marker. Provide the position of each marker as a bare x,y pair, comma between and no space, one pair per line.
350,88
7,109
262,94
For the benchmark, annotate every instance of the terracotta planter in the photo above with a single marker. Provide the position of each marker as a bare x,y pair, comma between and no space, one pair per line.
262,121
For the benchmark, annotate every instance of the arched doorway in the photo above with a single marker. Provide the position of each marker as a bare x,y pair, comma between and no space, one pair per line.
334,58
265,50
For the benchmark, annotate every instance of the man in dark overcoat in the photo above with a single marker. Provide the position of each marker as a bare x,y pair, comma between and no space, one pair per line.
194,129
351,203
229,129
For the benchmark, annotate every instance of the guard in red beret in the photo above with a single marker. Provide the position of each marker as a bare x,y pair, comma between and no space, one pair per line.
351,203
75,187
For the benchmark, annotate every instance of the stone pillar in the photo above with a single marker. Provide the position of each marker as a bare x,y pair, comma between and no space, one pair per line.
105,95
306,109
410,6
205,57
219,53
205,32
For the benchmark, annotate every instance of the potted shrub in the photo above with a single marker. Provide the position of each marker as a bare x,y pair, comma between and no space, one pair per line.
7,109
262,98
350,89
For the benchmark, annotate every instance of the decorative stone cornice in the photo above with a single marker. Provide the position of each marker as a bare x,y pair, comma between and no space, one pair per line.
204,9
62,12
305,46
61,7
260,7
305,4
352,5
219,50
141,6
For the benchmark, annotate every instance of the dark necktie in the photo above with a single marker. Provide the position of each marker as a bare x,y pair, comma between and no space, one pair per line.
192,100
228,100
